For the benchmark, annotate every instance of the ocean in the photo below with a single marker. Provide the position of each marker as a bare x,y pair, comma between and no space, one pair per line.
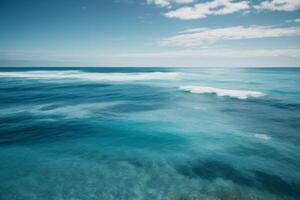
149,133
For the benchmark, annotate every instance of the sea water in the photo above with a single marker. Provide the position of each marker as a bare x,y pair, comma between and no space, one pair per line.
149,133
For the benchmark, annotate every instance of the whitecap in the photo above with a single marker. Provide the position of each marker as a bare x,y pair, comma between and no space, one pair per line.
262,136
50,75
84,110
239,94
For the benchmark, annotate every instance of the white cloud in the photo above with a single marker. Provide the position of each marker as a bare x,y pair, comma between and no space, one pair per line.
183,1
165,3
216,57
221,7
161,3
279,5
293,20
204,36
202,10
218,53
297,20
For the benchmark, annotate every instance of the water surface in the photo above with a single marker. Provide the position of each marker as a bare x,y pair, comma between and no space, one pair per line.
149,133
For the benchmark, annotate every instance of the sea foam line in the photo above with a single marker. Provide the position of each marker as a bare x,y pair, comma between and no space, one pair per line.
239,94
92,76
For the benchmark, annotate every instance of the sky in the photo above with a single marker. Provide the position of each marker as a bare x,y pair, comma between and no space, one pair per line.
150,33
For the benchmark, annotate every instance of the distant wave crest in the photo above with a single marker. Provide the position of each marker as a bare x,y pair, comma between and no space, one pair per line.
92,76
239,94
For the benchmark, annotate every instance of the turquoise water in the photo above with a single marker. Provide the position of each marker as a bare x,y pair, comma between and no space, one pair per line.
149,133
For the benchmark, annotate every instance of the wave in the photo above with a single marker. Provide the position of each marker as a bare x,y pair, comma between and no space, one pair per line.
239,94
262,136
93,76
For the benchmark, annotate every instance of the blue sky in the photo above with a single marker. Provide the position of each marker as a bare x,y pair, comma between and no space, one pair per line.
175,33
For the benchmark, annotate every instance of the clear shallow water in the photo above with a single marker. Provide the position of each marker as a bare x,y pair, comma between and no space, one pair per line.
135,133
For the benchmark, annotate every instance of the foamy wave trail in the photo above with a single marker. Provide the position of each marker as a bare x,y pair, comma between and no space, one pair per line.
262,136
239,94
93,76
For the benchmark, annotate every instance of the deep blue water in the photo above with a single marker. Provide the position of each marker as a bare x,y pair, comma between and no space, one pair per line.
149,133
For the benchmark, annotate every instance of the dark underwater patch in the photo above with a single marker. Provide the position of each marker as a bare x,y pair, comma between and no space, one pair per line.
211,170
277,185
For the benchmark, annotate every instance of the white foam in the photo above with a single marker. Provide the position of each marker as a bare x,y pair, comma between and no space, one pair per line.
83,110
239,94
262,136
92,76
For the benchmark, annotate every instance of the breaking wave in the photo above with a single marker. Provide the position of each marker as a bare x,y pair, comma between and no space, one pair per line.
92,76
239,94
